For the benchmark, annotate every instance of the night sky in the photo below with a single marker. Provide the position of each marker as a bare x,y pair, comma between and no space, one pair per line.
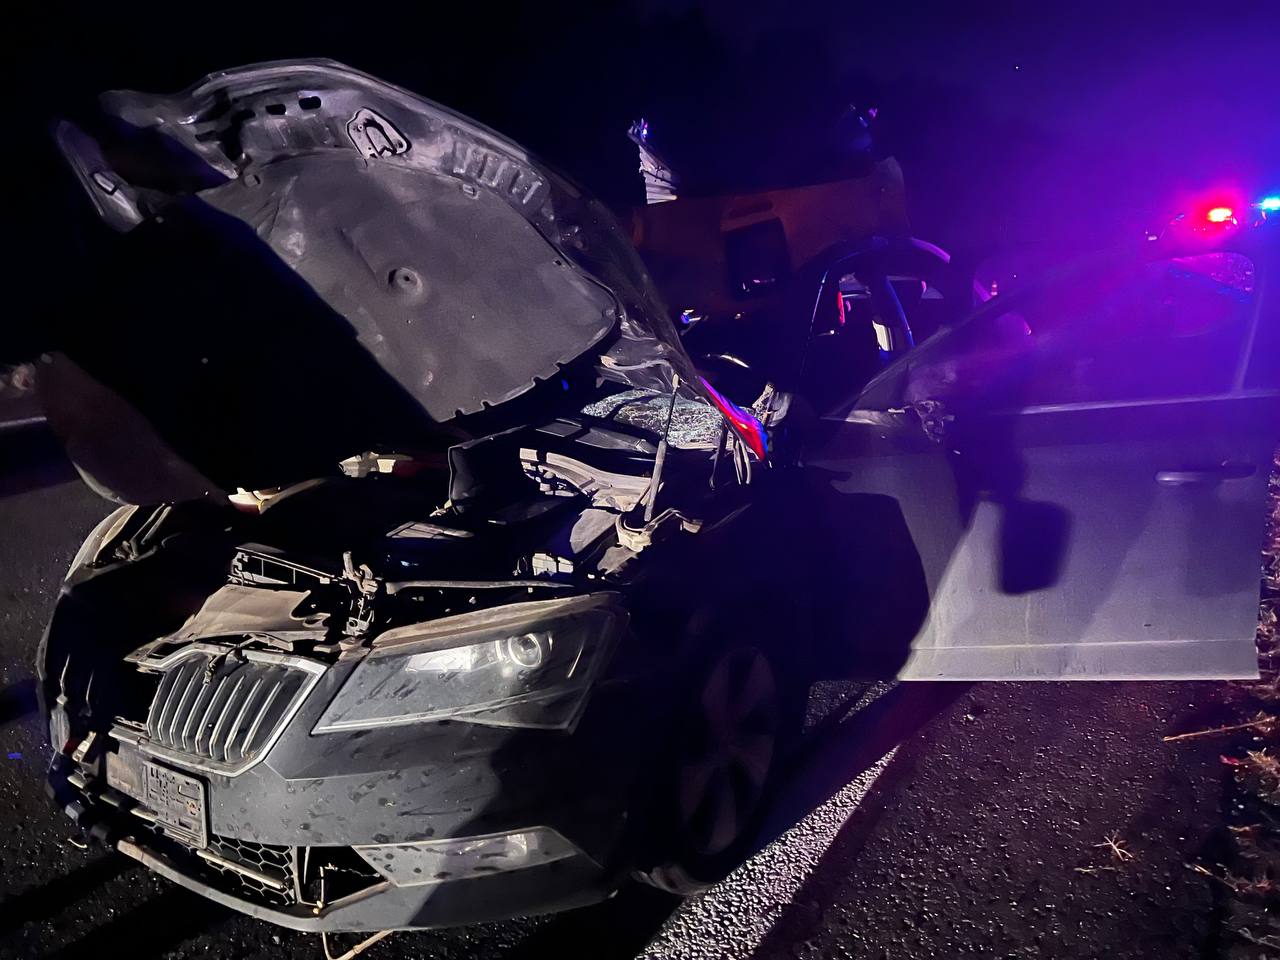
1018,122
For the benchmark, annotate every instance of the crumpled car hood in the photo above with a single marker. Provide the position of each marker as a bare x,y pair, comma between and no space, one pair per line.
457,269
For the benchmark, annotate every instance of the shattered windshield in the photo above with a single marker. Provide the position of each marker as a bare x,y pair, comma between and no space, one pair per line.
694,422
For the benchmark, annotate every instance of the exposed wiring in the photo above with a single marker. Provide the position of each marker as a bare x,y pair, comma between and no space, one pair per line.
358,949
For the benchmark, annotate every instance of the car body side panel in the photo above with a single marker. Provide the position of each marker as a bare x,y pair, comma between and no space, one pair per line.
1138,577
1052,550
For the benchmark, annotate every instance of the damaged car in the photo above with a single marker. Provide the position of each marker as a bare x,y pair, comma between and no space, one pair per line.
443,586
399,617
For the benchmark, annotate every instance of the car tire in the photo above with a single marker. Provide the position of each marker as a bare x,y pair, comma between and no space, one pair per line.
728,746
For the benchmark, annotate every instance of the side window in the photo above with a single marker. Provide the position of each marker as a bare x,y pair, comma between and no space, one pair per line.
1170,328
850,341
926,308
842,352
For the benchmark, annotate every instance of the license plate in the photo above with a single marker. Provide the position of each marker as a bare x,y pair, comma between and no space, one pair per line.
178,801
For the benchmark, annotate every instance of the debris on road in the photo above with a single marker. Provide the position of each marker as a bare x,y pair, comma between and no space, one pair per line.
356,950
1240,886
1118,847
1263,724
1252,874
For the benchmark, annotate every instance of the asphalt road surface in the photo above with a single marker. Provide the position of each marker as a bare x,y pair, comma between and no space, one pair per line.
965,821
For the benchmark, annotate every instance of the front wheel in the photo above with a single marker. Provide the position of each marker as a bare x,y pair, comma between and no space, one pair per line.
727,752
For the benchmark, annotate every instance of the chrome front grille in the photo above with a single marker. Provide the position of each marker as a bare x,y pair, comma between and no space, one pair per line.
222,711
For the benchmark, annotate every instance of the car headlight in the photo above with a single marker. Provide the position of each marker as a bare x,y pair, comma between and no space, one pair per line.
521,665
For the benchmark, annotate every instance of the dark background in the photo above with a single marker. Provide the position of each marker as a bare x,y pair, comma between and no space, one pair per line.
1018,122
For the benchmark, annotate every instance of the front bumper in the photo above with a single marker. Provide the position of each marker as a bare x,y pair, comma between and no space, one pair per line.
283,883
307,801
313,797
383,906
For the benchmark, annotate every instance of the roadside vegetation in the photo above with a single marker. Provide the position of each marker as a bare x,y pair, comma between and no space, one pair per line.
1249,877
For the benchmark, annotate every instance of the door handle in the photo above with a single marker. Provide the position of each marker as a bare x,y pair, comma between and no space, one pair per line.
1206,477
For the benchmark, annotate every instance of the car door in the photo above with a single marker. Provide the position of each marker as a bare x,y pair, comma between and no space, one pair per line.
1082,473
